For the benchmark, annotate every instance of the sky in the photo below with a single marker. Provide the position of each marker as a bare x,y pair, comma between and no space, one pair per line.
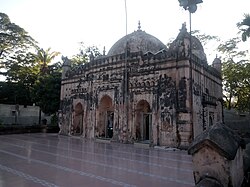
63,24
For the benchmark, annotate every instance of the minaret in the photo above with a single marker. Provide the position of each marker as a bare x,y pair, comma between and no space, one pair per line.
217,64
104,51
65,66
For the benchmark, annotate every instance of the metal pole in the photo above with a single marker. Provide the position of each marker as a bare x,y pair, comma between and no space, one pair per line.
126,17
126,79
191,6
191,76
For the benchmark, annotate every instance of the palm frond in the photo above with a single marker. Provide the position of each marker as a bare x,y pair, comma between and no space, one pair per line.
244,27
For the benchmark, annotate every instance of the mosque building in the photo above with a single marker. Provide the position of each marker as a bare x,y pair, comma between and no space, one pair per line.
143,91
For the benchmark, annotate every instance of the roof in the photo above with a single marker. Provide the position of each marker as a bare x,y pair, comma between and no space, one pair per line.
220,137
137,41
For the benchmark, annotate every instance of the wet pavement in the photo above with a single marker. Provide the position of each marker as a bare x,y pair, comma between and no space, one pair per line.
32,160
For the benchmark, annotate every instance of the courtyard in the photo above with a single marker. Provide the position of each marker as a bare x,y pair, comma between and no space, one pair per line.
53,160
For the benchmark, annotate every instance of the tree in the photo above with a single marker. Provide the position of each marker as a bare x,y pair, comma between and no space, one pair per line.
13,38
209,42
244,27
21,73
46,91
84,55
44,58
14,93
22,68
16,62
236,75
205,38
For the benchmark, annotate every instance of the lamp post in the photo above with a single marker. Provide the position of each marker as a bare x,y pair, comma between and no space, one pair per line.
191,6
126,81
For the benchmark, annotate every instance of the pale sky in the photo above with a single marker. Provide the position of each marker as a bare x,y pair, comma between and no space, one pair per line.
62,24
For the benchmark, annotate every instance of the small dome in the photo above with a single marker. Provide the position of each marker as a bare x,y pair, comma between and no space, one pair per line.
197,47
137,41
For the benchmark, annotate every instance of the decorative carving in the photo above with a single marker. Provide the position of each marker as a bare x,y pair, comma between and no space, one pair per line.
66,105
141,69
182,94
197,89
117,76
167,98
65,115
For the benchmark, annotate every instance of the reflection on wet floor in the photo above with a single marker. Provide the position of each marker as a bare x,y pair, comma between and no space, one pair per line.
54,160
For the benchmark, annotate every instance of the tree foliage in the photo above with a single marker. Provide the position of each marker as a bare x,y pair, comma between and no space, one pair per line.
14,93
85,54
22,68
236,75
47,87
205,38
244,27
30,81
209,42
12,38
46,91
44,57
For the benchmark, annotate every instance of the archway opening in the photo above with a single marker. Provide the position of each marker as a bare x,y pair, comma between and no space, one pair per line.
106,118
77,127
143,121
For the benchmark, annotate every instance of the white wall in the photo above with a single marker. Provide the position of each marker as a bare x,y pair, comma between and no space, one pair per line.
18,114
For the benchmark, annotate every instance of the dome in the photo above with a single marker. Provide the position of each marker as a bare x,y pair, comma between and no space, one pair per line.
137,41
197,47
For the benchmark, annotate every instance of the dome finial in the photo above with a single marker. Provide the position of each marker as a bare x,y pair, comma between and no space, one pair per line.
104,51
183,27
139,25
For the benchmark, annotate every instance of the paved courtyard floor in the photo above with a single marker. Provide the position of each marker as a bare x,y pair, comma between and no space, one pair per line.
32,160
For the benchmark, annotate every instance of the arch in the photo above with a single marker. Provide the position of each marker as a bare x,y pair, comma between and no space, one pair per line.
105,119
77,127
143,121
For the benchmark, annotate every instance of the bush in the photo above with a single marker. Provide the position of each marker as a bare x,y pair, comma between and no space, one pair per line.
54,120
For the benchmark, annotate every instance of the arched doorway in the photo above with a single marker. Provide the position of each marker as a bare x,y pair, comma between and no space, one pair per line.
77,127
106,118
143,121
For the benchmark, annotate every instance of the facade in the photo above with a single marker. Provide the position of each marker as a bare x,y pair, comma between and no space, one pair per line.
140,92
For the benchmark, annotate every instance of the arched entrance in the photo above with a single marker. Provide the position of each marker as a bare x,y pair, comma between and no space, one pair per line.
77,127
143,121
106,118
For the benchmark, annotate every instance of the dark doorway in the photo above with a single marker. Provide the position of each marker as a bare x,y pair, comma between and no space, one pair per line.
110,122
143,121
105,118
146,126
77,127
